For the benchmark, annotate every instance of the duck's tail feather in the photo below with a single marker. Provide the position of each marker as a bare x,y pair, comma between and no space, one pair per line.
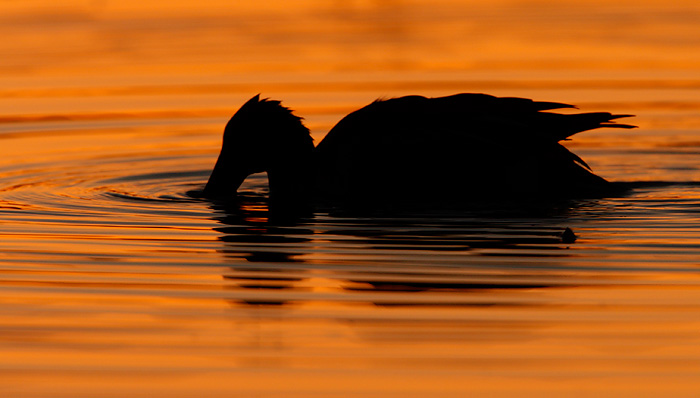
613,124
545,106
569,125
517,105
580,161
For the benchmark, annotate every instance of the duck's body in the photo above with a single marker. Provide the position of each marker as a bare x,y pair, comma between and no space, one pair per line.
467,147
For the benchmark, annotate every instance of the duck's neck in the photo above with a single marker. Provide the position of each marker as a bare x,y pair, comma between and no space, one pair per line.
291,182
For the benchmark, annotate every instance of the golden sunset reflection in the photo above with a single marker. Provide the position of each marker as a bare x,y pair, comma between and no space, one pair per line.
117,283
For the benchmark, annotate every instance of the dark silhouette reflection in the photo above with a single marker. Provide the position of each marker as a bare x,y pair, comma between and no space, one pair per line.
248,225
272,263
462,148
499,239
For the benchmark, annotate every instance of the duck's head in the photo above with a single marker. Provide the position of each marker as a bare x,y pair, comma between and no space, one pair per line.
263,136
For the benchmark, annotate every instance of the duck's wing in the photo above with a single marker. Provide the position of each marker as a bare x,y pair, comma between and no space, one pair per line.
519,119
557,127
478,138
481,116
530,126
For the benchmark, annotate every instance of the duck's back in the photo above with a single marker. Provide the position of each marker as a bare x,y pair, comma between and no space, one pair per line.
465,146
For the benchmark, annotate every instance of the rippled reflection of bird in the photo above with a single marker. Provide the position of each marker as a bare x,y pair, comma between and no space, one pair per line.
464,147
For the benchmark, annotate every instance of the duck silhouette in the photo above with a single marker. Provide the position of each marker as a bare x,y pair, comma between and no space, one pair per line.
463,147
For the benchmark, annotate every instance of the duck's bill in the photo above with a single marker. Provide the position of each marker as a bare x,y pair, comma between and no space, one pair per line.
225,179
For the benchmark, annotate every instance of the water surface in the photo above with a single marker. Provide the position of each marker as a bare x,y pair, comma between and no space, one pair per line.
115,283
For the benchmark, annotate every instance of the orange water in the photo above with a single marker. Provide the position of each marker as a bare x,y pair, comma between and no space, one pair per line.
113,283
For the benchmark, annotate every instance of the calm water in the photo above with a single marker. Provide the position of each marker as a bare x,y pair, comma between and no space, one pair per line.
114,283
